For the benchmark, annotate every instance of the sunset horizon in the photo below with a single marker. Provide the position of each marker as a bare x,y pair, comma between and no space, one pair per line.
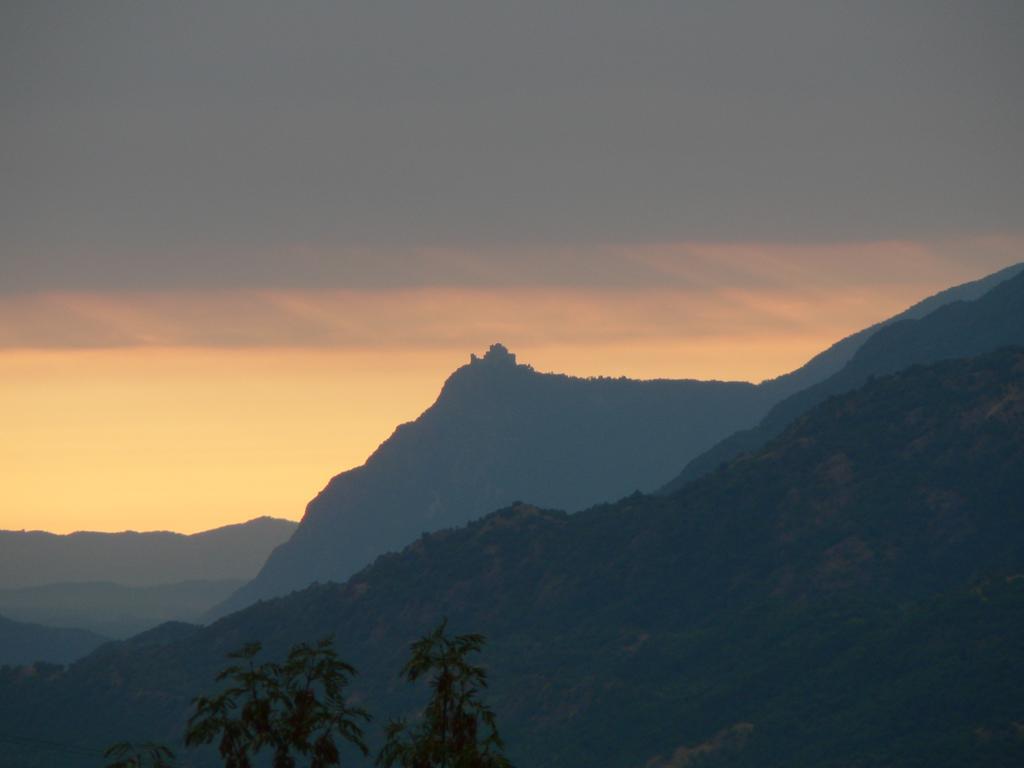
645,381
194,423
229,274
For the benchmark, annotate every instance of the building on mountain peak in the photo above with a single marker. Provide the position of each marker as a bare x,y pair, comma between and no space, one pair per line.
498,354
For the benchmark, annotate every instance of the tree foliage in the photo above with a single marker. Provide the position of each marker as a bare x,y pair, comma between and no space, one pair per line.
298,708
293,708
457,730
125,754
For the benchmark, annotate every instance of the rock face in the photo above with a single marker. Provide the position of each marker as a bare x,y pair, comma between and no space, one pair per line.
500,432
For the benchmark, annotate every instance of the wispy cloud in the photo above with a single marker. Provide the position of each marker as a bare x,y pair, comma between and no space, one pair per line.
684,291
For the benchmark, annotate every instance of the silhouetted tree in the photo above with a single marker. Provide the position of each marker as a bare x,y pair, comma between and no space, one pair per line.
457,730
297,707
125,754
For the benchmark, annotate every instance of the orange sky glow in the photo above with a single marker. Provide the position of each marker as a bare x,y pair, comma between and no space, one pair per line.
186,411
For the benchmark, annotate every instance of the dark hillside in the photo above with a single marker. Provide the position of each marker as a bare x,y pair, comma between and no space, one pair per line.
832,360
501,431
22,643
960,329
851,595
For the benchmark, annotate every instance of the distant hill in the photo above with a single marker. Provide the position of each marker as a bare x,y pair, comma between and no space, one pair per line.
852,594
965,327
498,432
34,558
114,610
22,643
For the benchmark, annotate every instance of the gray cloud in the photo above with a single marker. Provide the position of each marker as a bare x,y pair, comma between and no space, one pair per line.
240,144
725,293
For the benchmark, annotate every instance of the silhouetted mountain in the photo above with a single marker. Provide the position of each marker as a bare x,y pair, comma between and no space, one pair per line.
22,643
832,360
499,432
960,329
853,594
34,558
112,609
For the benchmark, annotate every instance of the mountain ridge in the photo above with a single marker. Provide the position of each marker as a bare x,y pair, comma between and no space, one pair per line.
24,643
500,431
962,327
130,558
323,538
851,593
831,361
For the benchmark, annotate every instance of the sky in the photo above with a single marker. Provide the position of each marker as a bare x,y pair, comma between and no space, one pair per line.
241,242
